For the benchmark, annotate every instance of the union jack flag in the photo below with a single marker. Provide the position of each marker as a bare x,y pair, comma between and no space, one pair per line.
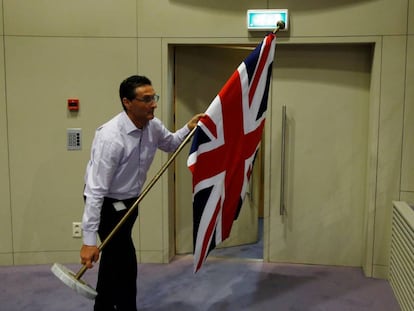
224,148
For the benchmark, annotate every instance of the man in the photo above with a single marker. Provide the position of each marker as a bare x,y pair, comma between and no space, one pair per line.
122,152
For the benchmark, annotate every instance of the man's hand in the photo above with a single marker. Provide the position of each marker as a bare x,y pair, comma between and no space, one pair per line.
194,120
89,254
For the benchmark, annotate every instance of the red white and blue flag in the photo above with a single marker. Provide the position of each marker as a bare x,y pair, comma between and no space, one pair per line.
224,148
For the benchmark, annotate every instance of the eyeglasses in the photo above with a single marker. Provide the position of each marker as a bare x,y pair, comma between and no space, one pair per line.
149,98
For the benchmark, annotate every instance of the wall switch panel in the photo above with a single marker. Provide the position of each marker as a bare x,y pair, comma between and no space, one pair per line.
74,139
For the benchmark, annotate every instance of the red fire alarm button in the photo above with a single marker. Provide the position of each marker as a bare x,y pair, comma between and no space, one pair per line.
73,104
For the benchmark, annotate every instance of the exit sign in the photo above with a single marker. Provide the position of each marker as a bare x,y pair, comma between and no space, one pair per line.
266,19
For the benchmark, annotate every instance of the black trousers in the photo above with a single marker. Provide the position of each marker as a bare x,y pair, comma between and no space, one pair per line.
117,275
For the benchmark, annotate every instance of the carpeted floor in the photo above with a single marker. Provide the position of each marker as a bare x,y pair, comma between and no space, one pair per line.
221,285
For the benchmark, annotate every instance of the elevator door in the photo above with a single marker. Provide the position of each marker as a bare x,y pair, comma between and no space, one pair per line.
325,89
200,73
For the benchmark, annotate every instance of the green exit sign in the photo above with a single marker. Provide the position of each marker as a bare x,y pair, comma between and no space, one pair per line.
266,19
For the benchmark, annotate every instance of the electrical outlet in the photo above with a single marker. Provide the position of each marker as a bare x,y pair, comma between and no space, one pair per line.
76,230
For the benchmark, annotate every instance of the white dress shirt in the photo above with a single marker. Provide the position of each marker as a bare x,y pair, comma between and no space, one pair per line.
121,155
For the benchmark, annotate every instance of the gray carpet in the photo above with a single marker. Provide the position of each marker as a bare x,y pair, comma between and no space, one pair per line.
222,284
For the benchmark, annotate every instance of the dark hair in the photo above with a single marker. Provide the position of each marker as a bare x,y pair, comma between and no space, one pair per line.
128,86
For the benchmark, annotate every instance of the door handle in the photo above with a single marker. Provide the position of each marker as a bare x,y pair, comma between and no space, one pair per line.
282,207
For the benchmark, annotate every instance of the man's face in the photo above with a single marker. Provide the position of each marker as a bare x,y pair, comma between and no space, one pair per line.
141,109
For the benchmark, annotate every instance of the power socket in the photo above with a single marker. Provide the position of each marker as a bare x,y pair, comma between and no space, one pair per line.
76,230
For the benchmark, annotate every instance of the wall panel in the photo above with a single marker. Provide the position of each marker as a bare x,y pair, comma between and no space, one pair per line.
6,245
151,220
410,30
70,18
390,140
407,178
308,18
186,18
46,179
347,18
1,17
407,197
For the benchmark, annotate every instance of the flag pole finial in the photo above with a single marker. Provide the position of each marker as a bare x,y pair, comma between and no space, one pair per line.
280,25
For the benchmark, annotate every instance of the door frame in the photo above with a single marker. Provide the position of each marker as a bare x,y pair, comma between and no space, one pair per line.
168,108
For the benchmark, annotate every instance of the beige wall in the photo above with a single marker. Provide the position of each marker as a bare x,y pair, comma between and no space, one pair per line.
53,49
6,247
407,179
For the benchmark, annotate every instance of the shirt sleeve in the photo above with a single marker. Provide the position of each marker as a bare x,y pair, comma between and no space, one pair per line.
105,155
91,219
170,141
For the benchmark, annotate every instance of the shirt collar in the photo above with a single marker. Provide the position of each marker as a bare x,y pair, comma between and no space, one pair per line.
128,124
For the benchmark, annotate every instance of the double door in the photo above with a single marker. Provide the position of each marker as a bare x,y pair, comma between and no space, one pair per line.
325,91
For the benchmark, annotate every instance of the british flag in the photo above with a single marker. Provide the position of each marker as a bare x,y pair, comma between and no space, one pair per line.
224,148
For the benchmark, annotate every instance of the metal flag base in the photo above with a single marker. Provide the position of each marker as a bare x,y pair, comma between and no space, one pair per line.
73,280
69,278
